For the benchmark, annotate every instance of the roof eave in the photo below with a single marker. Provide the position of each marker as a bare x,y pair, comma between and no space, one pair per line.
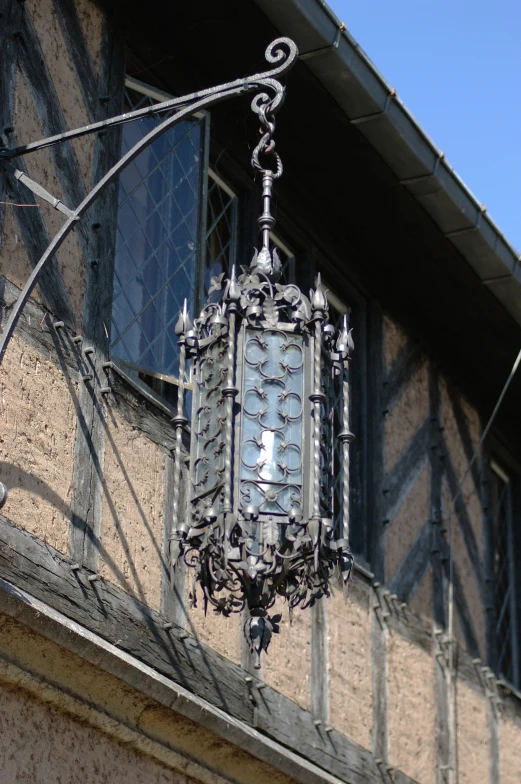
335,58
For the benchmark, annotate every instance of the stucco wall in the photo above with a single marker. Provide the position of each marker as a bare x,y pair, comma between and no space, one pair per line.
14,263
410,516
411,709
394,341
472,735
287,666
450,440
131,534
510,749
349,665
39,745
37,429
224,635
406,416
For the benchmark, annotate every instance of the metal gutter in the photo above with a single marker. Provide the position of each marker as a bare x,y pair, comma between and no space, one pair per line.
369,102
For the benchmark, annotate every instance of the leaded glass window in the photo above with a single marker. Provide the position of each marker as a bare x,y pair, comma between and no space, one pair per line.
157,243
221,229
287,261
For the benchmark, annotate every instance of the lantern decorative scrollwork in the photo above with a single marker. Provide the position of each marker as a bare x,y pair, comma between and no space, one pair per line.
259,520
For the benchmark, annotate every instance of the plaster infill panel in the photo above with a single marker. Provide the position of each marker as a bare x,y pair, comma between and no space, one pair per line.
459,458
510,751
40,745
349,666
222,634
91,20
472,736
421,602
64,79
408,522
395,340
466,573
40,167
132,511
287,665
406,417
411,709
37,429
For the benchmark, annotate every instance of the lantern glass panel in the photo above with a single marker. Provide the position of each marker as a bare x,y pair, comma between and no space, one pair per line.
210,429
272,395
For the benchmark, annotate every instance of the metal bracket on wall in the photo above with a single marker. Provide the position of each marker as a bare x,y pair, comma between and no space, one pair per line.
282,53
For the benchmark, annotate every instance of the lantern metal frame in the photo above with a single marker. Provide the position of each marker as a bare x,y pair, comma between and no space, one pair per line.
259,515
244,555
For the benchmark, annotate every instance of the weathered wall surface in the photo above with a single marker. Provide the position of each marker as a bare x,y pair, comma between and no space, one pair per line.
405,397
40,745
132,511
510,749
411,709
224,635
406,416
430,434
407,522
349,671
472,736
395,341
287,666
58,60
37,428
30,114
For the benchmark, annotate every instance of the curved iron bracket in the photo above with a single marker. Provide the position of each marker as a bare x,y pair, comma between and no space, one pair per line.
282,52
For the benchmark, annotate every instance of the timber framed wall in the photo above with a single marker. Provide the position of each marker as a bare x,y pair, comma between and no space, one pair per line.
359,691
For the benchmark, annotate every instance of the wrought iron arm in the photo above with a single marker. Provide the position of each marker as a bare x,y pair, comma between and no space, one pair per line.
281,51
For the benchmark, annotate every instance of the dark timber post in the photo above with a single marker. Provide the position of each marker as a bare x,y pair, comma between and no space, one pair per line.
436,458
90,438
377,518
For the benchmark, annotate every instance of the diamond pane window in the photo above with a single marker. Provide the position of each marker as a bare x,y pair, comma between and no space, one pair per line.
157,241
221,229
287,261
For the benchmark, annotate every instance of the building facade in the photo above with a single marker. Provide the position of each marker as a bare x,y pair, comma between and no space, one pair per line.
106,672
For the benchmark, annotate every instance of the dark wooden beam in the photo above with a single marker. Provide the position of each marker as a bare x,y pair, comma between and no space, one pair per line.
35,238
97,310
460,602
464,434
15,34
173,585
35,328
11,11
33,65
35,567
79,53
399,375
399,481
443,738
378,530
461,514
488,560
319,662
410,572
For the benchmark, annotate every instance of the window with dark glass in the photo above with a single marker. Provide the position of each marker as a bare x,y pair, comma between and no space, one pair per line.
177,227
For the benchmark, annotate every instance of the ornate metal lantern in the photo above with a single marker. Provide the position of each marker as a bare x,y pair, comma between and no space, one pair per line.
259,521
266,365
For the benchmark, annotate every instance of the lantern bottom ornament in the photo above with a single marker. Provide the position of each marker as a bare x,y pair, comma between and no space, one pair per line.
263,517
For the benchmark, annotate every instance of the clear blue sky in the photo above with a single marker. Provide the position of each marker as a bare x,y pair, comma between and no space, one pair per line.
456,64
